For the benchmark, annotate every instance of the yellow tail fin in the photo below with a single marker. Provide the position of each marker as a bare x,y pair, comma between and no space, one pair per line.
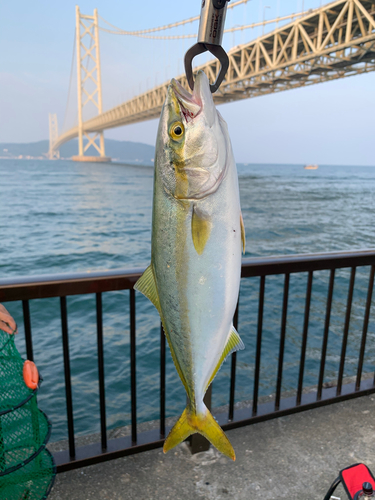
190,422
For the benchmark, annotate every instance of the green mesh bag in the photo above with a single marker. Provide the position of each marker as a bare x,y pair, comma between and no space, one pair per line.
27,469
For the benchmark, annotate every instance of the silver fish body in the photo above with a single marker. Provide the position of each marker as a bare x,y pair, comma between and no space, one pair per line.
197,237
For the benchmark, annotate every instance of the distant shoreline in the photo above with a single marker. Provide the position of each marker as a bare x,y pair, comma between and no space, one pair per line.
123,151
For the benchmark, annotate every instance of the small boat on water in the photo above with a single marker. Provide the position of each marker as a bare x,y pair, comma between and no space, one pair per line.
310,167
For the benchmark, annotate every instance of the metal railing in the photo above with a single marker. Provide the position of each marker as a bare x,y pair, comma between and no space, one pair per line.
41,287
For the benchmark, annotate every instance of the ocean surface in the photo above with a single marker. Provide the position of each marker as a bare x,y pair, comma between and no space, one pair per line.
62,217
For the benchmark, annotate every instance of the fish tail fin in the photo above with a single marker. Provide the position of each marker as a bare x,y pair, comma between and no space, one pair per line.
204,423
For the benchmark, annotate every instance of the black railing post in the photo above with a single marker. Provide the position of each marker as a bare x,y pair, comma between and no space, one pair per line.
27,324
259,344
325,335
304,338
282,342
99,333
133,367
346,331
162,382
68,382
233,370
365,327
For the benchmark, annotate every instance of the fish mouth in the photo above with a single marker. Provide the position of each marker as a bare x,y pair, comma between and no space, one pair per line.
190,104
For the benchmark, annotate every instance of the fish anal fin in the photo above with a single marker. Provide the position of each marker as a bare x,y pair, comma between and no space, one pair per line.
204,423
147,285
200,230
243,235
234,343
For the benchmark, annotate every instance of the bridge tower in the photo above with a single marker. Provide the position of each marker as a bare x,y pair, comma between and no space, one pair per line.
89,84
53,135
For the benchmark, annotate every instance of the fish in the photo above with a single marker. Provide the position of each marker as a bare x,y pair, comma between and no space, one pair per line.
197,239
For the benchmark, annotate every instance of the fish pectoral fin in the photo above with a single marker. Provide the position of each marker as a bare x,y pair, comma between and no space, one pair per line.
243,235
234,343
200,230
204,423
147,285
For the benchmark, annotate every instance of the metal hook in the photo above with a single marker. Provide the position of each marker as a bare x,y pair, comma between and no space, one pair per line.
217,51
210,35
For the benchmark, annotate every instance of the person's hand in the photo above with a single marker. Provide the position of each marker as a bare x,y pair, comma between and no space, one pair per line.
7,323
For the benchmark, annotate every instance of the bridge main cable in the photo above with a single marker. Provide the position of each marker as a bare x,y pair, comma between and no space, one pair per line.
168,26
143,33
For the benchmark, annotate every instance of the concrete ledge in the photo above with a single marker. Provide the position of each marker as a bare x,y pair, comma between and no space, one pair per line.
295,457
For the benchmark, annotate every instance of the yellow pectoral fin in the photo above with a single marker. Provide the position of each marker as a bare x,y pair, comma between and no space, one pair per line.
205,424
147,285
200,230
234,343
243,235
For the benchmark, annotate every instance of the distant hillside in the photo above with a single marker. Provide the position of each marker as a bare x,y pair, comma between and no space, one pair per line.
134,152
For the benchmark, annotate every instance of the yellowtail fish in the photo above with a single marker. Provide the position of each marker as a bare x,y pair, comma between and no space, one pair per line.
197,236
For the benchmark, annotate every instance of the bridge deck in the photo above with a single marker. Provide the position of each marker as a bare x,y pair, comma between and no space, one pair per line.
334,41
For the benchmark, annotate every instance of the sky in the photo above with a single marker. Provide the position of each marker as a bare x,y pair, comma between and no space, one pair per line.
329,123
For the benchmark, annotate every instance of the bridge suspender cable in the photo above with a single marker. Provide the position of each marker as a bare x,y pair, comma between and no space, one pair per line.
71,79
70,83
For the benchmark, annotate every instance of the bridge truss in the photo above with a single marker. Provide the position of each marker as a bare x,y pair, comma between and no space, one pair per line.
334,41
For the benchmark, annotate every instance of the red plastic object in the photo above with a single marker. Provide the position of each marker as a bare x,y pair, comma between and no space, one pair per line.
30,374
354,476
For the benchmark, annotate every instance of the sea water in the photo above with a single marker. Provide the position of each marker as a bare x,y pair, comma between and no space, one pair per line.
62,217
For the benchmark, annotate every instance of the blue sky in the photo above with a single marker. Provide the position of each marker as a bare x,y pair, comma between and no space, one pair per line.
330,123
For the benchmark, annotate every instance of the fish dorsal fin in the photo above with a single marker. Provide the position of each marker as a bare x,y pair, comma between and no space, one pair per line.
147,285
234,343
243,235
200,229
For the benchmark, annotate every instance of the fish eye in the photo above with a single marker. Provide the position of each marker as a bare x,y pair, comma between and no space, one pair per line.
176,131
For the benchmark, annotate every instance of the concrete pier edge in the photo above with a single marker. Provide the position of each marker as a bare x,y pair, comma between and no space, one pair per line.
294,457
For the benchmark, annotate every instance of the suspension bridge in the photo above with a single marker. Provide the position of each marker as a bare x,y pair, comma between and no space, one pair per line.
334,41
